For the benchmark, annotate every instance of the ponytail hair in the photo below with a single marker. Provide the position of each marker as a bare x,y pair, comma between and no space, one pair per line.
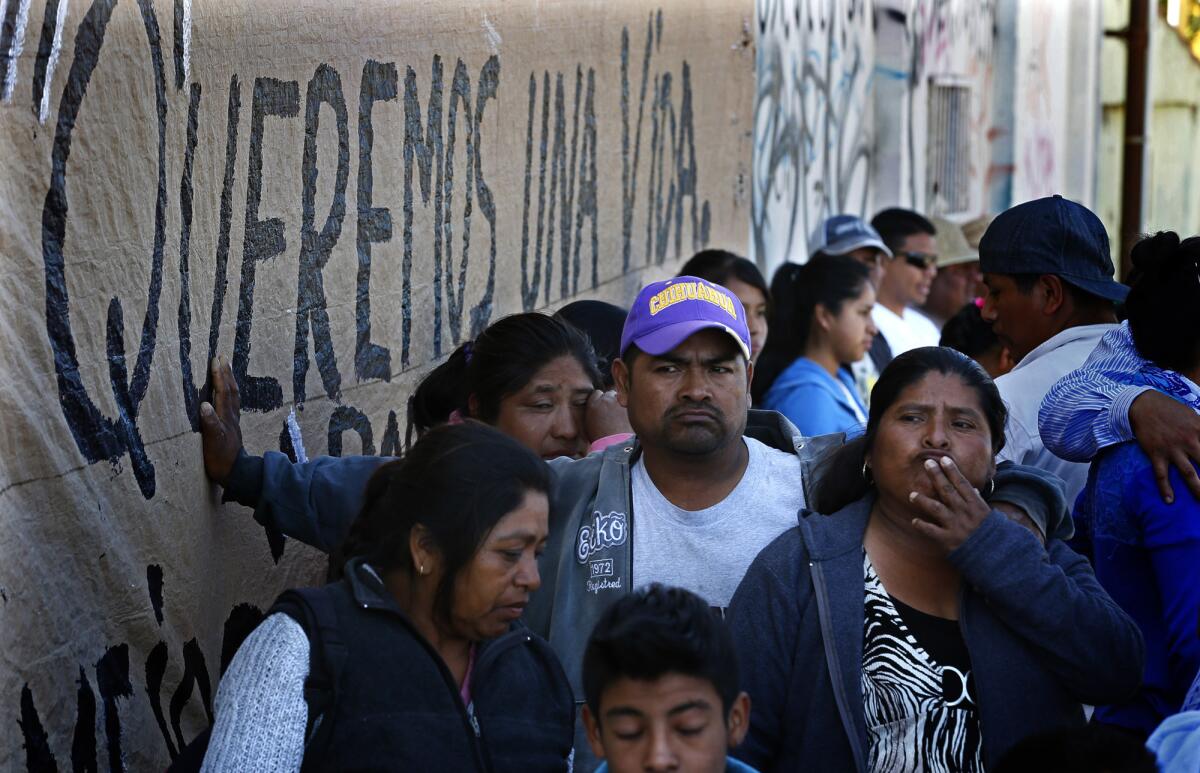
439,394
797,290
1163,306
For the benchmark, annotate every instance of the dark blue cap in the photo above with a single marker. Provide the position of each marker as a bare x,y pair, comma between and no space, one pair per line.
1052,236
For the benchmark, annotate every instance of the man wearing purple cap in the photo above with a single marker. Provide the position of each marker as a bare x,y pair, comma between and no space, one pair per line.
702,487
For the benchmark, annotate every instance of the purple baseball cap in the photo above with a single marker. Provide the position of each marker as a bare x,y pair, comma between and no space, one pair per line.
667,312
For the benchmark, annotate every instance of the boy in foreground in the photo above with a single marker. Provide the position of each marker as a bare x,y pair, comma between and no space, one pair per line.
661,684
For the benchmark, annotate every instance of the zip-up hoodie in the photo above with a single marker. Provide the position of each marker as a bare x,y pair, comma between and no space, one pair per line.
815,401
1042,634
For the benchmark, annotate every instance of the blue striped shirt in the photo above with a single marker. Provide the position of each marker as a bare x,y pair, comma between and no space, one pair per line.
1089,408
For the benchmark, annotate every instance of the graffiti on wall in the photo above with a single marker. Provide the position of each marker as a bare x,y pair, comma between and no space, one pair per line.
812,121
842,104
454,106
949,41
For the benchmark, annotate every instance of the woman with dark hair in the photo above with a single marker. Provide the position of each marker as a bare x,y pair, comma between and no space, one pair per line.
914,628
528,375
742,278
823,325
1146,552
416,659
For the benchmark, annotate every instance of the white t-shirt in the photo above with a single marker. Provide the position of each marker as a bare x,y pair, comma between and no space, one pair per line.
911,331
708,551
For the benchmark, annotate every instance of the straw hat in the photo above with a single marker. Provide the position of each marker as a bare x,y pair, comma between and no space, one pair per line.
952,245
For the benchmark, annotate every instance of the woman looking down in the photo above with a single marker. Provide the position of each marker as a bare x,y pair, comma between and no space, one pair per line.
416,659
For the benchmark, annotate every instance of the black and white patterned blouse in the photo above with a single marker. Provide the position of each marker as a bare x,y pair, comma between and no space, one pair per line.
917,691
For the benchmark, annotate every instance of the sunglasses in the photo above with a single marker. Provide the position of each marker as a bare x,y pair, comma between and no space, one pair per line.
921,260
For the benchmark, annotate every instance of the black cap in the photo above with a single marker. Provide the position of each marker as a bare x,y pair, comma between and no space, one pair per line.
1052,236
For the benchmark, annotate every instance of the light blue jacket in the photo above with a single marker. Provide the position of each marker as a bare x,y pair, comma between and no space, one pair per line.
814,401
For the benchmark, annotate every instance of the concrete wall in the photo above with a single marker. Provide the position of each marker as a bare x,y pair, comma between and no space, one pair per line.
1171,194
813,120
1057,91
1172,188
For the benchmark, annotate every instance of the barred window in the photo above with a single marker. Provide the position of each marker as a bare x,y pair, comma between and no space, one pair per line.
948,153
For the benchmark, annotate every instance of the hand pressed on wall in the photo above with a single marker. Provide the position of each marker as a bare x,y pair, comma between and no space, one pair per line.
220,427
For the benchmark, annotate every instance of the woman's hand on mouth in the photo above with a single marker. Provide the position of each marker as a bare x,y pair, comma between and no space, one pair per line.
955,510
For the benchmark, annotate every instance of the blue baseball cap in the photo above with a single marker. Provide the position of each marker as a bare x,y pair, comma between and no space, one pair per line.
841,234
1052,236
667,313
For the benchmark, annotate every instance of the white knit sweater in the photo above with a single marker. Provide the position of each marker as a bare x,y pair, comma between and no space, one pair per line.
260,708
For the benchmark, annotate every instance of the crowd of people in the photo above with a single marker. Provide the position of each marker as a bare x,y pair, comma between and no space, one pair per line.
927,501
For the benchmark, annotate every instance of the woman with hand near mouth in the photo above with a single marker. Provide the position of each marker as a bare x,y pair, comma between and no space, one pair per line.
822,325
415,660
915,628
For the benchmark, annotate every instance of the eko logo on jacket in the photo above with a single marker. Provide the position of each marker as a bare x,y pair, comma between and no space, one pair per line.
602,532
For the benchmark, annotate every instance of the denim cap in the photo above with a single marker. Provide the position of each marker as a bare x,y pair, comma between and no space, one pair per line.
1052,236
841,234
666,313
1041,494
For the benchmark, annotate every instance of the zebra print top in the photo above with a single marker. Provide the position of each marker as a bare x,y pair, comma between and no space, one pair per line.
920,712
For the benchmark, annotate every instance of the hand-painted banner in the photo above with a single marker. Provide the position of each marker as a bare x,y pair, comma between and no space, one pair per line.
334,196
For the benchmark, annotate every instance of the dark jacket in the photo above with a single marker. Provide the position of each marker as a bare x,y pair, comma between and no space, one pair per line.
395,705
1042,634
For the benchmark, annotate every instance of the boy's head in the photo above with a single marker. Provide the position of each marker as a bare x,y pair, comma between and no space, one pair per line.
660,678
970,334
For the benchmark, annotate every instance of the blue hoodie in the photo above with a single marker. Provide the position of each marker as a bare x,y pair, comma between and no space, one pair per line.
1147,555
814,401
1042,634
